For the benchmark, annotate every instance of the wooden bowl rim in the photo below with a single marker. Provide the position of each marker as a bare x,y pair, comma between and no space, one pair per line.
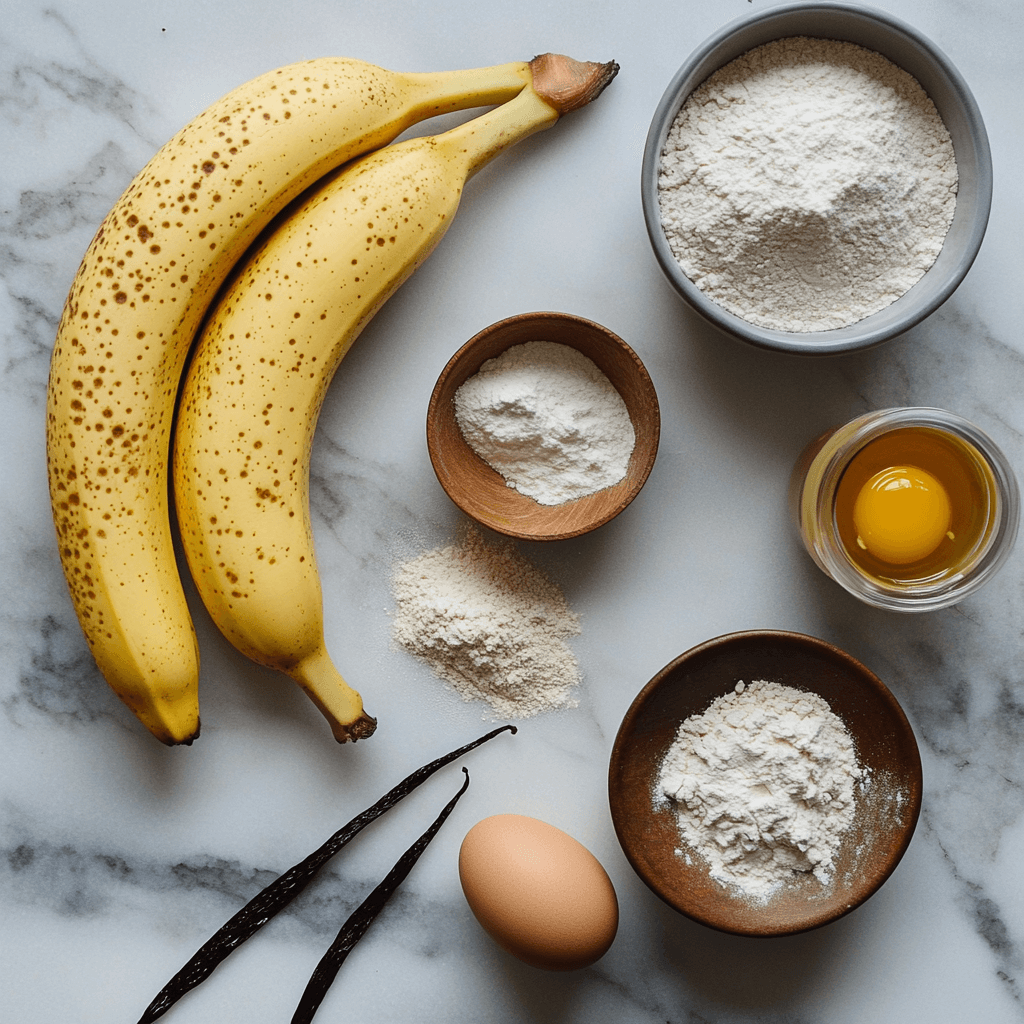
570,519
730,914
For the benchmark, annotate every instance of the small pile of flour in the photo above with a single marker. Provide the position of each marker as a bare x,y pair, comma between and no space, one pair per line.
807,184
548,420
490,624
763,785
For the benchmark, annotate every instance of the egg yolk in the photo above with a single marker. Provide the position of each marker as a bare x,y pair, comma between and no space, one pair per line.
901,514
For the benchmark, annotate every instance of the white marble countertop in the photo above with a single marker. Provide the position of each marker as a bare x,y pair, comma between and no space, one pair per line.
120,856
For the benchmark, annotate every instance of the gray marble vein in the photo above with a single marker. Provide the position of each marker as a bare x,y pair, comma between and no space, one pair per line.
120,856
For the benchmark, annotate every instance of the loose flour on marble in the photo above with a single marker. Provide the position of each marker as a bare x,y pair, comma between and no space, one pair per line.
490,624
763,786
807,184
548,420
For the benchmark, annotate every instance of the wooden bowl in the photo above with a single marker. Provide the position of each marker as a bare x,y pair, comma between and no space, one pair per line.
481,492
886,810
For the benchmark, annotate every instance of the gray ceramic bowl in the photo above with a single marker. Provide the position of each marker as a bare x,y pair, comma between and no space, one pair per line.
908,49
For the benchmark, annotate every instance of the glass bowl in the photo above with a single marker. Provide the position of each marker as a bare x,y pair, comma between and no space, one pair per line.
816,481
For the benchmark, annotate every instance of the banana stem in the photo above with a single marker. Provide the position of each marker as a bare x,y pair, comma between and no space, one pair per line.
474,87
558,85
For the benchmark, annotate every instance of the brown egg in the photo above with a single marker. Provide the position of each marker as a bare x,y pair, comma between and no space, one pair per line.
540,894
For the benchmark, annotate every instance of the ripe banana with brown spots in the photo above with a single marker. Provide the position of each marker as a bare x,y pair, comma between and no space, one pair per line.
271,347
134,307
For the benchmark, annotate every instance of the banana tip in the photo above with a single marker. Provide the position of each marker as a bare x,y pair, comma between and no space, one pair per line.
362,728
184,741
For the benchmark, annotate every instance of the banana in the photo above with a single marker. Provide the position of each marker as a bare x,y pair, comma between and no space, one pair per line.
143,286
269,350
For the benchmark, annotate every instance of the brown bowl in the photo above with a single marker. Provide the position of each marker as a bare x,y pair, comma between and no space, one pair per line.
886,810
481,492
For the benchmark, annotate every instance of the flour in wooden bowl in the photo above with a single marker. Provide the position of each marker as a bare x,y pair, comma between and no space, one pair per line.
763,784
548,420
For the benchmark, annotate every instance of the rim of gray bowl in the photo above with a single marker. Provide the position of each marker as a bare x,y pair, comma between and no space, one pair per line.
907,48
